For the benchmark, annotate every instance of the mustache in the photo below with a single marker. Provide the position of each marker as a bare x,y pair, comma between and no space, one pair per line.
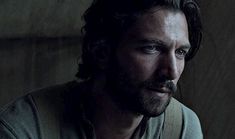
169,85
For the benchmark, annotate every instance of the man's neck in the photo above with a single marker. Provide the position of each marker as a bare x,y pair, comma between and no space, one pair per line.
110,121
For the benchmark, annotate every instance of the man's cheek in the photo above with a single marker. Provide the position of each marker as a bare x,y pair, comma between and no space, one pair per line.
180,70
140,70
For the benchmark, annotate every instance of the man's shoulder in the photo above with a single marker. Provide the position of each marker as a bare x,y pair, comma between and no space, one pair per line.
18,116
191,127
187,113
26,103
189,121
191,124
21,115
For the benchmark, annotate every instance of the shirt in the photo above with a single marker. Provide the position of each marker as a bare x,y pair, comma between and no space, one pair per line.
20,119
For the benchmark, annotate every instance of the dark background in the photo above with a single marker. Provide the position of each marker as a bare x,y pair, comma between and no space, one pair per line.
40,46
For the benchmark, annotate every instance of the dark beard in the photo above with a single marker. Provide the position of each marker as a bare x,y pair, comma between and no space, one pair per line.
128,94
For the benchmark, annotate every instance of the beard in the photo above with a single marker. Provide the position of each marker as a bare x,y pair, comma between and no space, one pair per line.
134,96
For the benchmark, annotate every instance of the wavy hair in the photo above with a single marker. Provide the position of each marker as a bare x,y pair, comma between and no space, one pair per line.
106,20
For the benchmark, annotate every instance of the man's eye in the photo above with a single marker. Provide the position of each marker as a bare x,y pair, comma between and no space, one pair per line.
181,53
149,49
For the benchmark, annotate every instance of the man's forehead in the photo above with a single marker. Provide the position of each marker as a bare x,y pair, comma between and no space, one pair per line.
161,19
162,24
161,12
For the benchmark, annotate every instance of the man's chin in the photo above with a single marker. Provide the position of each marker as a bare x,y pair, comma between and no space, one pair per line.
153,108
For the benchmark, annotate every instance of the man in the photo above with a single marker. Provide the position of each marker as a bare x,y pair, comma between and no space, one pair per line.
134,53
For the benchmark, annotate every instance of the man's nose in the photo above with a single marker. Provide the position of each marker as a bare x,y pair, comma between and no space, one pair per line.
169,69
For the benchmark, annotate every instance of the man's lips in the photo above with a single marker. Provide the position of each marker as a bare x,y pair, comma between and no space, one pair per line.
163,87
159,90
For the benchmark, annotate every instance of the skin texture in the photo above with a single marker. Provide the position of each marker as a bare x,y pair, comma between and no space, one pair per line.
149,62
142,74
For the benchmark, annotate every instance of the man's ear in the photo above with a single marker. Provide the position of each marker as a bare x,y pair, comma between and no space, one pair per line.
102,57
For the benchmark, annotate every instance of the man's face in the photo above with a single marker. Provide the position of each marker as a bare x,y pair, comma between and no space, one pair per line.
148,62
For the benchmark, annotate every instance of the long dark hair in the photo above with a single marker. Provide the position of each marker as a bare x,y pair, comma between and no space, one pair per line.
106,20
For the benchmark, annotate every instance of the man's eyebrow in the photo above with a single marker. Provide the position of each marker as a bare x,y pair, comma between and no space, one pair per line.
161,43
155,41
187,46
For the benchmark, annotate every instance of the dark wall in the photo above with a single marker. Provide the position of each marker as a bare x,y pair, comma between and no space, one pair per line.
208,83
32,57
39,44
30,63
